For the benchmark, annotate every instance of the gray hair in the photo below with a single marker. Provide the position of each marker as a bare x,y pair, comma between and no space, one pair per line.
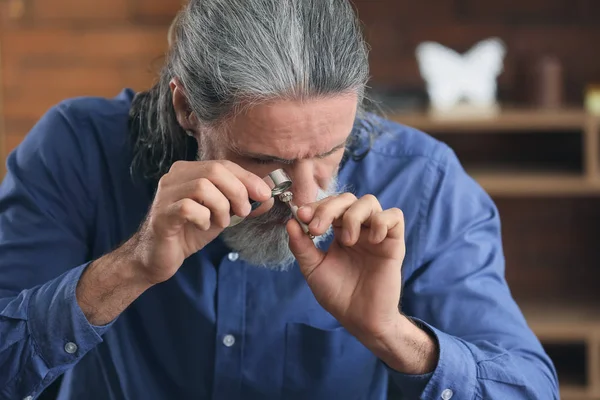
231,53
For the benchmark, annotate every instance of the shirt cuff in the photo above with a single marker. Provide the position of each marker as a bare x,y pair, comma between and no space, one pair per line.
411,386
454,377
60,330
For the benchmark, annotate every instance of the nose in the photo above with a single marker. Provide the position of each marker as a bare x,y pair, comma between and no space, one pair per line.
304,182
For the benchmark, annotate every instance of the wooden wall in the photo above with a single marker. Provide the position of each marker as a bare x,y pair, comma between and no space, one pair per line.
53,49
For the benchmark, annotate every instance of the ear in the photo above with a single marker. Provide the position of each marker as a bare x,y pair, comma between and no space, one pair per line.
185,116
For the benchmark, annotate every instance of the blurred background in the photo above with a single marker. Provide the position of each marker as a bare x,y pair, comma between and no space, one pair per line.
531,139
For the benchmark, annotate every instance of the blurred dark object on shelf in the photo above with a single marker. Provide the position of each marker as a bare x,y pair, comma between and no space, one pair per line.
397,100
549,83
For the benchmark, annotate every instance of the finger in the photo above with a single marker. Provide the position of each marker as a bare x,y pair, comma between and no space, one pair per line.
386,224
307,254
256,187
236,183
358,213
236,187
205,193
187,210
328,210
183,171
307,211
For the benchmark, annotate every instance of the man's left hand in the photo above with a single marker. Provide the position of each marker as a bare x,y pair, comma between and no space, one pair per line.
358,280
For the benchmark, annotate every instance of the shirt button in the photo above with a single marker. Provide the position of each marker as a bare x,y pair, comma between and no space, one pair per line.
447,394
228,340
71,348
233,256
28,398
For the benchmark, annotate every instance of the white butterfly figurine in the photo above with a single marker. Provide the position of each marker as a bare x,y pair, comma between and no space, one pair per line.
453,78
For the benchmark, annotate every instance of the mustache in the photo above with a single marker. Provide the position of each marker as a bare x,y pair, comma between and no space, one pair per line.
263,240
279,213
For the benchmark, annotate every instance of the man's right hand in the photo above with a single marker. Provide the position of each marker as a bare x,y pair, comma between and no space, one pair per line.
192,206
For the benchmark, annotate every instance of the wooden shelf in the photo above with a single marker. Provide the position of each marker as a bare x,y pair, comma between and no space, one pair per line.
567,394
558,321
536,184
574,328
514,121
571,393
508,120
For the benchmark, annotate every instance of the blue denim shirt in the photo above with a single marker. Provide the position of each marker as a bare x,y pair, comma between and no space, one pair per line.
223,329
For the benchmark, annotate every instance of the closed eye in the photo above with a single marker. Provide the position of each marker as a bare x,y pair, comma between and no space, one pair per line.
261,161
329,154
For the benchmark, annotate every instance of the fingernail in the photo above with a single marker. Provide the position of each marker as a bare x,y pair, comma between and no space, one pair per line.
314,225
346,236
373,235
306,208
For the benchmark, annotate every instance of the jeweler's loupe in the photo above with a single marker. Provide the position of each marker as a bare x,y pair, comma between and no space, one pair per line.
278,181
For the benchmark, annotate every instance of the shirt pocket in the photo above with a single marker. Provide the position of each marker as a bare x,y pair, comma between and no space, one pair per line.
328,364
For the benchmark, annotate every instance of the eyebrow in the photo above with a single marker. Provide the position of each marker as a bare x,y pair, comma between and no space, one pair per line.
267,157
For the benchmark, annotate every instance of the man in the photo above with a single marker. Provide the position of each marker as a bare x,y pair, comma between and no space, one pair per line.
118,267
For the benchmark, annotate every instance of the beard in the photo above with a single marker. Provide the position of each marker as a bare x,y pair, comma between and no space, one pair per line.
263,241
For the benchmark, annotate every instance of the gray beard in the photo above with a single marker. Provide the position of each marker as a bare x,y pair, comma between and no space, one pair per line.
263,241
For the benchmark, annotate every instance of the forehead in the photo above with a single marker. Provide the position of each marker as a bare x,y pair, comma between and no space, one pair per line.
295,129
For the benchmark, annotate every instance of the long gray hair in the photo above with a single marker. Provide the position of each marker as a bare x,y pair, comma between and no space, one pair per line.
227,53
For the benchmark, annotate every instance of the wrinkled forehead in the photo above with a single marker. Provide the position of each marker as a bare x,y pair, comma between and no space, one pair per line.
295,129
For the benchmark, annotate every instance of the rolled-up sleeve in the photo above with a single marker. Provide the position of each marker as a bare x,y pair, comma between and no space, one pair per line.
457,291
44,231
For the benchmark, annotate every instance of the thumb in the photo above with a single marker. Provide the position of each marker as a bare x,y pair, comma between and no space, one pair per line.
308,255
